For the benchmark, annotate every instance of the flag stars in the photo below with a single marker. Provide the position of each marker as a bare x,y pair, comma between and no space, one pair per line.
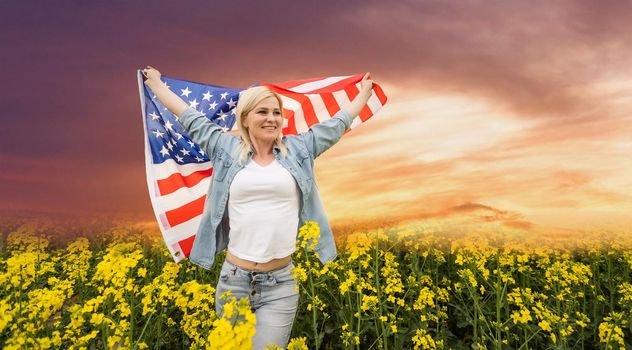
164,151
180,159
199,159
212,105
225,129
168,125
185,152
185,91
202,152
171,145
222,116
154,116
224,95
191,143
232,103
194,103
179,135
207,96
158,133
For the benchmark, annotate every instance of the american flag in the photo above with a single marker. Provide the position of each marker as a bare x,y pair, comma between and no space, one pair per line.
179,171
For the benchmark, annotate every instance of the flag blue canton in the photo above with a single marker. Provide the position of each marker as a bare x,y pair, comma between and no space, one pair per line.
167,138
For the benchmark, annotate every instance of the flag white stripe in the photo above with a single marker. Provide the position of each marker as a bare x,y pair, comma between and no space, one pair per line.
319,107
182,196
183,231
374,103
299,118
318,84
342,98
170,167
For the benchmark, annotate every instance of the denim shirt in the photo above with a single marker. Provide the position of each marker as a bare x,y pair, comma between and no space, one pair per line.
223,150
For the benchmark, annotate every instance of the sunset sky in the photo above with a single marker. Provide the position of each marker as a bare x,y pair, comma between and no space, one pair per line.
514,112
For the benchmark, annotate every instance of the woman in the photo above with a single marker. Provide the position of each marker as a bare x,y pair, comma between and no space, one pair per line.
262,190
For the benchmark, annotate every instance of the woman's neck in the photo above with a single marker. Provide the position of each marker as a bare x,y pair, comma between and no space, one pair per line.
262,149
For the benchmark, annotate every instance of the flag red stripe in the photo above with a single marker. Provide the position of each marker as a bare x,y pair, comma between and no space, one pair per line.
379,93
352,91
306,105
308,110
365,113
185,212
176,181
291,124
186,245
330,103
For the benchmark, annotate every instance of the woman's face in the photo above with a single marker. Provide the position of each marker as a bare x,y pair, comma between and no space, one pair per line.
265,122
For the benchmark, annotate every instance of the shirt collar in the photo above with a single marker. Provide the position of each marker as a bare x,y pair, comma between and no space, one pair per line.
275,149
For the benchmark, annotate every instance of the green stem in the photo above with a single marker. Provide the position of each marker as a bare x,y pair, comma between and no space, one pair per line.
498,302
314,326
359,303
376,279
143,331
527,341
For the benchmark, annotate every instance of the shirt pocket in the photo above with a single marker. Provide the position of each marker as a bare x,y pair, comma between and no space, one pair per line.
305,164
223,162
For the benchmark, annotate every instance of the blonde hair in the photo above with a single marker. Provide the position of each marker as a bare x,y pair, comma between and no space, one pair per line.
248,100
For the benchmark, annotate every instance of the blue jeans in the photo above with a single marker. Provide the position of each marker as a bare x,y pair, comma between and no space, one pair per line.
273,299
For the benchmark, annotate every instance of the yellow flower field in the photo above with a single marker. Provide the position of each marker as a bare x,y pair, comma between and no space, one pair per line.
407,287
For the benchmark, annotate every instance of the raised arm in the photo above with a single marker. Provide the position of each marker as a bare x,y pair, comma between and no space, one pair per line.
168,98
201,130
359,101
322,136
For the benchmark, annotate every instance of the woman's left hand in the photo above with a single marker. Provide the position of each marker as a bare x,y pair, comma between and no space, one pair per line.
366,85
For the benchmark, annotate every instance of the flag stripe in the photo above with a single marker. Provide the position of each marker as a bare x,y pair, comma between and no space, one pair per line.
169,166
291,122
177,181
186,245
182,231
185,212
324,85
305,105
182,196
374,103
320,110
330,103
380,94
289,85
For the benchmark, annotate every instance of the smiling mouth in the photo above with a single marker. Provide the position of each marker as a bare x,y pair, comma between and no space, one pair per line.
270,127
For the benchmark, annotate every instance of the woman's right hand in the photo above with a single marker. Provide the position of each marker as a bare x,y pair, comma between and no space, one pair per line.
152,74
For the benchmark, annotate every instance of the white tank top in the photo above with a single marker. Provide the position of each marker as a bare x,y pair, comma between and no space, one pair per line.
263,212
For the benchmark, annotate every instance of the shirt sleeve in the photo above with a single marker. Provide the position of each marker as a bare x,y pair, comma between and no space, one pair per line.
323,135
202,130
